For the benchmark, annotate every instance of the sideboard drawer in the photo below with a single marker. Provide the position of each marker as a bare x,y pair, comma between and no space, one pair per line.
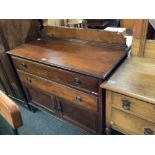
59,75
130,124
133,106
73,95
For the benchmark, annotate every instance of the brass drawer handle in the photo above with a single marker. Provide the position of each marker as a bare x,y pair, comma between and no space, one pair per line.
77,81
126,104
78,98
24,65
148,131
29,79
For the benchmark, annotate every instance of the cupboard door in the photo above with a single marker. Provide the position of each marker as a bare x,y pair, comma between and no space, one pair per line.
40,98
78,115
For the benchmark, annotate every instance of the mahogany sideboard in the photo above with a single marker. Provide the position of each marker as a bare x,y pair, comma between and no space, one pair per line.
63,76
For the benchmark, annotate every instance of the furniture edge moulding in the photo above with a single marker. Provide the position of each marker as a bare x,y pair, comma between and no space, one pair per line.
90,35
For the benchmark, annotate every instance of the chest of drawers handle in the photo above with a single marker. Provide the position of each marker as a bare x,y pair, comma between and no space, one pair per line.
148,131
77,81
29,79
126,104
78,98
24,65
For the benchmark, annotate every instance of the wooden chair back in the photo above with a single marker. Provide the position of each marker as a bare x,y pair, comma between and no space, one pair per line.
10,111
141,45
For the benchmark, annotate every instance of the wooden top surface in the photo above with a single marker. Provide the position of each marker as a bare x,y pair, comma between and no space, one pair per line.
135,78
77,56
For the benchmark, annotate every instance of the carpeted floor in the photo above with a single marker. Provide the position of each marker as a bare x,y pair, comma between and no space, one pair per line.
40,123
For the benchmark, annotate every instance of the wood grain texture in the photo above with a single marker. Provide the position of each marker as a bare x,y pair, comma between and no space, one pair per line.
149,48
138,108
14,32
84,58
108,108
76,80
57,89
127,23
44,100
137,29
134,78
143,38
79,116
17,31
130,124
135,46
86,34
10,111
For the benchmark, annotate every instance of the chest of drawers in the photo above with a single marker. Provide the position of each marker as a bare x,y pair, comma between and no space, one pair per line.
130,97
63,77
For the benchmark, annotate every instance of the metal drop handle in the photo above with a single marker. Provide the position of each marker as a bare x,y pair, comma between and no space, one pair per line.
24,65
77,80
29,79
79,98
148,131
126,104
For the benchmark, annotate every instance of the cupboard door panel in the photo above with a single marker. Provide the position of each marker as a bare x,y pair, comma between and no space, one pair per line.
78,115
40,98
130,124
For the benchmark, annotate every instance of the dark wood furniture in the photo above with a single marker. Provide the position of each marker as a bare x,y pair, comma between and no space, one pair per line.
10,112
101,23
63,75
12,34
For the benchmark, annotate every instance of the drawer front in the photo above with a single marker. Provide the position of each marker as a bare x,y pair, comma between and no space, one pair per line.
59,75
130,124
133,106
60,90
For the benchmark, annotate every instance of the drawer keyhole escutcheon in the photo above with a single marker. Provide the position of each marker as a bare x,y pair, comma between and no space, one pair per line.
24,65
29,80
77,81
126,104
78,98
148,131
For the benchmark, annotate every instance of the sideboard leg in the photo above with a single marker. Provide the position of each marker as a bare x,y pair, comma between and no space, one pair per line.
15,131
108,131
32,108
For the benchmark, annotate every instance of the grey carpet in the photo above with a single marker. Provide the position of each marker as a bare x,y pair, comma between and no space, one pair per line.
40,123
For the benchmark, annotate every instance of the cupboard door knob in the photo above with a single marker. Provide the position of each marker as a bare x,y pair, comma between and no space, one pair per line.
29,80
148,131
126,104
24,65
77,80
78,98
